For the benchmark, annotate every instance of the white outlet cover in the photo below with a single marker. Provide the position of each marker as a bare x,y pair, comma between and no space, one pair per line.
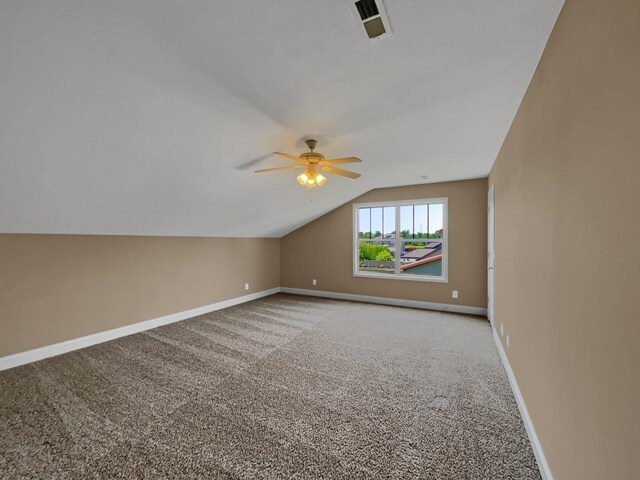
315,281
246,286
454,294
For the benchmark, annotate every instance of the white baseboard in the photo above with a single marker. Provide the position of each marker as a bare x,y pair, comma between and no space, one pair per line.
22,358
397,302
545,471
34,355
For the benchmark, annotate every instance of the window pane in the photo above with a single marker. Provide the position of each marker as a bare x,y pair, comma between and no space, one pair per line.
389,222
406,221
414,221
421,258
364,223
420,225
376,222
376,257
436,220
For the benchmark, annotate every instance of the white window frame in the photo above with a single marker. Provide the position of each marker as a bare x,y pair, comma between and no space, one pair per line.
444,278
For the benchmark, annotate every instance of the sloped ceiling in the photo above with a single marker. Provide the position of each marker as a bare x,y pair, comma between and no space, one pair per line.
148,117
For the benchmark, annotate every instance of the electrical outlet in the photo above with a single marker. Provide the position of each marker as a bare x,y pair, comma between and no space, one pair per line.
454,294
315,282
246,286
502,329
507,341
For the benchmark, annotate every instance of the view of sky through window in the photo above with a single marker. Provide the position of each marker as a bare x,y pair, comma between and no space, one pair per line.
414,218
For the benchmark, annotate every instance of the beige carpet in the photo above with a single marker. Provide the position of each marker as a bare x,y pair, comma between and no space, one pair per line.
283,387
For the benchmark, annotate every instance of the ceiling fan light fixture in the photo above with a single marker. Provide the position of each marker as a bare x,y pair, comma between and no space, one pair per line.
310,178
303,178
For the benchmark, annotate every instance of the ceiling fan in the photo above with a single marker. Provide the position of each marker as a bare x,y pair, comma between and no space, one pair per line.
312,162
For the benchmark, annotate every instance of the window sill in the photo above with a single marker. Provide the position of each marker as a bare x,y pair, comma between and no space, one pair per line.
410,278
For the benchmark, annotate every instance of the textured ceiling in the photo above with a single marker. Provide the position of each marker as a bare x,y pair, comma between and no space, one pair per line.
147,117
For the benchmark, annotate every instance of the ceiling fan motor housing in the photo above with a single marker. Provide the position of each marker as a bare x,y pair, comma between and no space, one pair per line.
311,157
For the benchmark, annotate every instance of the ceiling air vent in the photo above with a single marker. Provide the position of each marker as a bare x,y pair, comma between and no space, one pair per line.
372,18
367,9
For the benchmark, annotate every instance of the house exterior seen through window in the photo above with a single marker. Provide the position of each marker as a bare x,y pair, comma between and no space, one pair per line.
404,240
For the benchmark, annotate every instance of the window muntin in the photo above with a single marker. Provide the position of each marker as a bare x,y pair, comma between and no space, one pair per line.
402,240
376,222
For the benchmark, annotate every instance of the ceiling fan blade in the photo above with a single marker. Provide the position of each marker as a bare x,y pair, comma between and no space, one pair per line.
287,156
279,168
337,161
339,171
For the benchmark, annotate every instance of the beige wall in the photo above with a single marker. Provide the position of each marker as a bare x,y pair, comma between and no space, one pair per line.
323,249
59,287
568,242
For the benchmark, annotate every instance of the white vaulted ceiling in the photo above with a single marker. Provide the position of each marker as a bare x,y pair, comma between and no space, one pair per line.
148,117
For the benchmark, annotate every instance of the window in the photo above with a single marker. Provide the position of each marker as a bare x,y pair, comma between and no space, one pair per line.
405,240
